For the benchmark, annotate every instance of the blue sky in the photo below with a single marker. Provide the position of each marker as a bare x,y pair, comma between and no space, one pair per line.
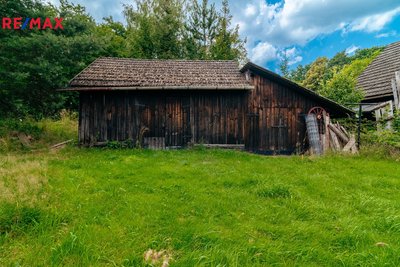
301,29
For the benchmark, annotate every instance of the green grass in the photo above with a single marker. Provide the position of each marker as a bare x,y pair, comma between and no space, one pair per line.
25,135
82,207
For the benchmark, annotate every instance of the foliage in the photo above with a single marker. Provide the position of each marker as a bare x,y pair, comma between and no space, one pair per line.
201,29
227,45
33,63
380,135
335,78
284,66
341,87
205,207
298,74
28,134
396,121
315,76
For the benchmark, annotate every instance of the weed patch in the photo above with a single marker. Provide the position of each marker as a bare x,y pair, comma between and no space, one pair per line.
274,192
14,219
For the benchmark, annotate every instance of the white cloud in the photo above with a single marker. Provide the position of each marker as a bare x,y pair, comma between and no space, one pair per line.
374,23
350,50
386,34
296,22
292,55
250,10
263,52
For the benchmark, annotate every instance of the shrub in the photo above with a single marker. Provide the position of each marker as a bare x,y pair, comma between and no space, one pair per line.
26,126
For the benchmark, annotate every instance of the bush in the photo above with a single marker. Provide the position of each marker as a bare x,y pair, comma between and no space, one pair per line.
27,134
26,126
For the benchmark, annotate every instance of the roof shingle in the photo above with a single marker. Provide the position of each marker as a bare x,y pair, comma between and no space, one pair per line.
376,78
122,73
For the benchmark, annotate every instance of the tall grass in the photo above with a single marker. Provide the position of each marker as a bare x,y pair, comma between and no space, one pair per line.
108,207
203,207
28,134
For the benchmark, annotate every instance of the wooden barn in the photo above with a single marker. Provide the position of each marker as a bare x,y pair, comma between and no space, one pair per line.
173,103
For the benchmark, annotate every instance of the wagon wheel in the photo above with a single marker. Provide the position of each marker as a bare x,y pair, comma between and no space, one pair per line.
319,114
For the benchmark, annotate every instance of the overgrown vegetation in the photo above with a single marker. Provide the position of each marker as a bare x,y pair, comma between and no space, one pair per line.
34,63
204,207
28,134
335,78
384,132
85,207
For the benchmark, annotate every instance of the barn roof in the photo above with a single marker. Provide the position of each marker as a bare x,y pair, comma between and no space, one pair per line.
339,109
376,78
132,74
108,73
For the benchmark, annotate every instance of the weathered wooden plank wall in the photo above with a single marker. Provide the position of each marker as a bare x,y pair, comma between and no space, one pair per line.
215,117
278,111
268,119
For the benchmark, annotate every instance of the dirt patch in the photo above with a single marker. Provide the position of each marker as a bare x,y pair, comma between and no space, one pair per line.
157,258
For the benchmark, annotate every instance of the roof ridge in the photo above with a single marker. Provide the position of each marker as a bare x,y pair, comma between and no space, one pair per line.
128,72
175,60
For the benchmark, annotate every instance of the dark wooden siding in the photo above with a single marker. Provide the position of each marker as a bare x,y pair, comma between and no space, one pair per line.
276,118
215,117
268,119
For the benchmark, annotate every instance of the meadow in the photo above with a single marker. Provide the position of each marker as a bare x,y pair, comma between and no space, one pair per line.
108,207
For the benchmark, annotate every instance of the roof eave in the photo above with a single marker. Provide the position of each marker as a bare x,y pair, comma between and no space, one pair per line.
149,88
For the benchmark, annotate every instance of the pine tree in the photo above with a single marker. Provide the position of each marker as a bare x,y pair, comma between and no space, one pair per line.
284,65
141,29
168,28
201,29
228,44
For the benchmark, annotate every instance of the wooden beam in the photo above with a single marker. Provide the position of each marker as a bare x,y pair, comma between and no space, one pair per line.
61,144
350,144
327,122
334,141
339,133
224,146
397,78
395,94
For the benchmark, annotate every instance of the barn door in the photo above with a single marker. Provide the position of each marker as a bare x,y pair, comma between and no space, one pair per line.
252,132
280,137
177,124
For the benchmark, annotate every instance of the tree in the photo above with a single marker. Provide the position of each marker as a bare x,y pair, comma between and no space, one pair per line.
113,37
155,29
314,78
342,86
228,44
284,66
201,29
141,29
339,60
34,63
299,74
168,32
367,52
